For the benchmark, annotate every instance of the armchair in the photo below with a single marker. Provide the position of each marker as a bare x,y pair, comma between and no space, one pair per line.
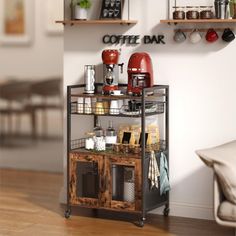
224,212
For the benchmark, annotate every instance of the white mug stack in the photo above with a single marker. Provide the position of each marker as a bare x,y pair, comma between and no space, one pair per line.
114,107
87,106
80,105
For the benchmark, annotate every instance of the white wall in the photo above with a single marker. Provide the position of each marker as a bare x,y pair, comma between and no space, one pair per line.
202,95
40,59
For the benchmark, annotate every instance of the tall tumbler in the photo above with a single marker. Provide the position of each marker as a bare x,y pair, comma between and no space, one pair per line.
89,78
221,9
232,6
217,9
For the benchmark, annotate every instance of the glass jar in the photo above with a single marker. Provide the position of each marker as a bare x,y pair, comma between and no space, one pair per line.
89,141
98,131
99,143
129,184
192,12
206,12
178,13
111,136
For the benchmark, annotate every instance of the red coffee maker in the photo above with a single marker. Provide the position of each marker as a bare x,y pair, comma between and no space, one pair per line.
140,73
110,60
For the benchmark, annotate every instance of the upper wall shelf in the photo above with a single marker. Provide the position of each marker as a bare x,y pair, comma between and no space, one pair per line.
198,21
96,22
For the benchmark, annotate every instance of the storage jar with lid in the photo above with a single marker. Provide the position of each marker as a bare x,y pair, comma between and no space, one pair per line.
192,12
206,12
89,141
178,13
111,136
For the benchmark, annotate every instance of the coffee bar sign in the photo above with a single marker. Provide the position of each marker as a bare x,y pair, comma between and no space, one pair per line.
133,39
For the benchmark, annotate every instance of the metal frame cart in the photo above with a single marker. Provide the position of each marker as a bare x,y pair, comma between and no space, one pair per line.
101,163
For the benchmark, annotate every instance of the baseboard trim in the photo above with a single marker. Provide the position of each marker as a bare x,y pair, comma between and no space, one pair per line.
189,211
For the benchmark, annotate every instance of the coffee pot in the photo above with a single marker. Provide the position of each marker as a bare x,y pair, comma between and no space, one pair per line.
140,73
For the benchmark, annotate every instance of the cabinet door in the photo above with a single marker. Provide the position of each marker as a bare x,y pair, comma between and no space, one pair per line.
125,183
85,179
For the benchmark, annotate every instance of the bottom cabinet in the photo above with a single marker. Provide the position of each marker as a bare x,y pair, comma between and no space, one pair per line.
102,181
125,183
85,180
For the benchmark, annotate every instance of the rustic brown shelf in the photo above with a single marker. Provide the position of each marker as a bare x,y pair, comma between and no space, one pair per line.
200,21
107,153
97,22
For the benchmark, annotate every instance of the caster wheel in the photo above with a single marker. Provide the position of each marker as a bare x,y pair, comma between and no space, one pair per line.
141,222
166,211
67,214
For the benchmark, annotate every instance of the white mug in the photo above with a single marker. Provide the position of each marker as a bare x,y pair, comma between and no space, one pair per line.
87,106
80,105
114,107
195,36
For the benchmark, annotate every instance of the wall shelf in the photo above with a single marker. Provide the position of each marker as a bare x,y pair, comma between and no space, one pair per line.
96,22
199,21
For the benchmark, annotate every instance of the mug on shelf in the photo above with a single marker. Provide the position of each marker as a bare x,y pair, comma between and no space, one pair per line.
80,105
99,108
87,106
106,106
114,107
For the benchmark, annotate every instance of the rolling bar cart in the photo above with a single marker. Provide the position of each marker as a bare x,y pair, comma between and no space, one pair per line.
97,179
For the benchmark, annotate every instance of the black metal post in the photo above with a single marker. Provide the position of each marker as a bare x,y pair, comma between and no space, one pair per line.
167,206
143,217
68,210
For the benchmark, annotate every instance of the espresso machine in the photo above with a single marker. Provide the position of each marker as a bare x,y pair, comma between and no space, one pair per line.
110,60
140,73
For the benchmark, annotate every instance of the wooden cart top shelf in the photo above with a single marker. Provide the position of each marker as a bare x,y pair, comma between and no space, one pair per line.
200,21
97,22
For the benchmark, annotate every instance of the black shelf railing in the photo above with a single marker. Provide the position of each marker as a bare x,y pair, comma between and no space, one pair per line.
153,108
79,144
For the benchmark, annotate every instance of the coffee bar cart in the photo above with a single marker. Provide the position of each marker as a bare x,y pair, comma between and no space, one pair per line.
108,179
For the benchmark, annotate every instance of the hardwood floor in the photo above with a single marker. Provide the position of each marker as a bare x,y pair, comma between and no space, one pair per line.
29,206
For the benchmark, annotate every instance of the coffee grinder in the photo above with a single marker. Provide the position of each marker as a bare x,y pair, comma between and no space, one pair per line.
110,60
140,73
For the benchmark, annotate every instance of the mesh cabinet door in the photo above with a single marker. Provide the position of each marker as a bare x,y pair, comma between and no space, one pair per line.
85,179
125,183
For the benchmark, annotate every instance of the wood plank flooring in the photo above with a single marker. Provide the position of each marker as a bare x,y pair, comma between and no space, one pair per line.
29,206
